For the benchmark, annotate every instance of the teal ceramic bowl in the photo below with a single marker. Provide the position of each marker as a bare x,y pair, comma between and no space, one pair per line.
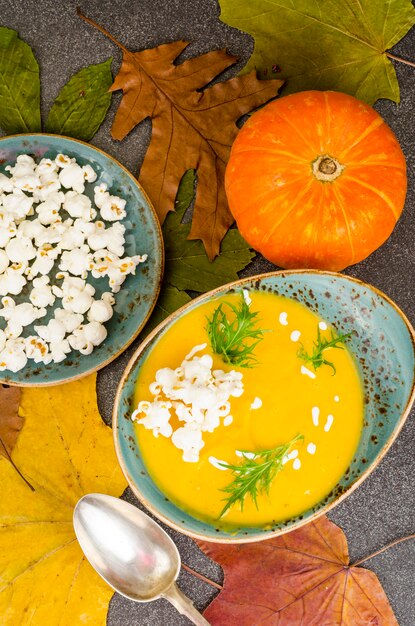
138,295
383,344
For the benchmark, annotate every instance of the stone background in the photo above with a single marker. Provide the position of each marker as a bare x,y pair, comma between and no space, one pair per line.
382,509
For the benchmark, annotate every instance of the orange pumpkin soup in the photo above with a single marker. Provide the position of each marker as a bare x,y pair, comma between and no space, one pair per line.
307,415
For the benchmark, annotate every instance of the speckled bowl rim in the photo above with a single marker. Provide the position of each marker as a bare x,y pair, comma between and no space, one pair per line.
263,536
158,232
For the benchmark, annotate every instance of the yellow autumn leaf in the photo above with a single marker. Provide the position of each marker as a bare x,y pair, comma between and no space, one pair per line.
65,451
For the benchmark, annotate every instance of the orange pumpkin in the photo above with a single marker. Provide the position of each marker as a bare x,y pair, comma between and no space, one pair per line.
316,180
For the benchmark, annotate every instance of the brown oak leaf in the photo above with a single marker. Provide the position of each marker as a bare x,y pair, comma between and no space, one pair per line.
193,126
303,577
10,422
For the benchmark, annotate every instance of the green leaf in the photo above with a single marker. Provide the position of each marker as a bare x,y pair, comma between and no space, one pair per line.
188,267
19,85
234,333
325,44
186,191
82,103
170,300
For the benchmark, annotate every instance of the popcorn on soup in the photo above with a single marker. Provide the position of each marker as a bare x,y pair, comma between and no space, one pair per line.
53,238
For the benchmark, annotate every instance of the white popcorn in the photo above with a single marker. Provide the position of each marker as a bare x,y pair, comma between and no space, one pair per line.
37,349
71,176
62,160
198,369
89,174
6,233
71,321
6,184
12,281
229,382
86,228
49,177
24,166
22,160
119,269
29,250
32,229
78,205
115,239
156,417
13,355
51,234
57,291
19,268
59,350
44,261
97,240
18,204
29,182
95,333
72,238
166,378
46,167
4,261
113,209
102,260
100,194
77,295
6,218
48,189
20,249
77,262
48,212
189,439
3,339
79,342
54,331
111,238
57,196
199,397
13,330
101,310
41,294
22,314
47,193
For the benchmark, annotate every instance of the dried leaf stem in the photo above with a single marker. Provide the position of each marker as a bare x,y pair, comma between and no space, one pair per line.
355,564
389,545
201,577
392,56
100,28
15,466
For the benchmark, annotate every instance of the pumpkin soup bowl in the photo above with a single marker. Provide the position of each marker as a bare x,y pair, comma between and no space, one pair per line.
382,341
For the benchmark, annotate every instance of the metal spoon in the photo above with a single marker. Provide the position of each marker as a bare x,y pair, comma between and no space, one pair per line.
131,552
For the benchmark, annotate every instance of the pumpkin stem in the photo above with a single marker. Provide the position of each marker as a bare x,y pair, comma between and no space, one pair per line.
327,168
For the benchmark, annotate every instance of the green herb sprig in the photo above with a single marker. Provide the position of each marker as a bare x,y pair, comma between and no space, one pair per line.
316,358
255,474
235,339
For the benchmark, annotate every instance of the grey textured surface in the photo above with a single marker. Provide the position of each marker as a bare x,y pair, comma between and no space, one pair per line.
382,509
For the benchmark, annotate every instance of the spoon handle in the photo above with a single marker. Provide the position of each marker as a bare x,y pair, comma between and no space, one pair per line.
184,605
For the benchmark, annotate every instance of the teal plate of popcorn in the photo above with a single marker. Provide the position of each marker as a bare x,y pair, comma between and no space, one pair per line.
81,259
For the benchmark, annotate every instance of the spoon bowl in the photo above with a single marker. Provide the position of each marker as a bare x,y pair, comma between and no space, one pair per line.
130,552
